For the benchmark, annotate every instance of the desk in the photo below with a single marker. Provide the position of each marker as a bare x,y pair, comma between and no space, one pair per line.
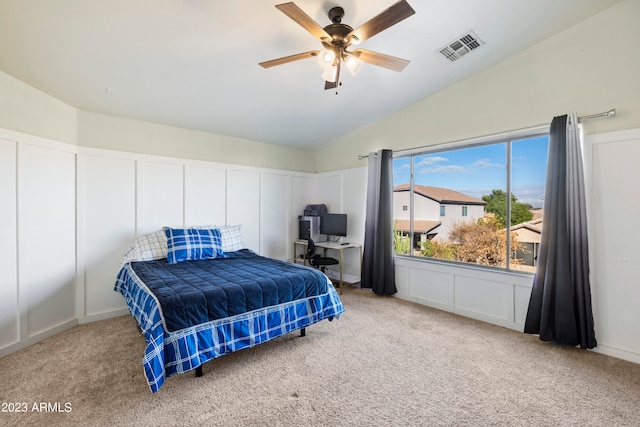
327,246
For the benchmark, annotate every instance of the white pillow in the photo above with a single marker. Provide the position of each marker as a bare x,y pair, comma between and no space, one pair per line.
147,247
231,236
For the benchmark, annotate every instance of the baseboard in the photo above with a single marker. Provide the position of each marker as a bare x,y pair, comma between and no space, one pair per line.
12,348
103,316
618,353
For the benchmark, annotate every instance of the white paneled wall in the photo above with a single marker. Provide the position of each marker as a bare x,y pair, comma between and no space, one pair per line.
70,213
612,166
275,205
160,195
490,296
106,224
9,314
243,205
204,195
46,230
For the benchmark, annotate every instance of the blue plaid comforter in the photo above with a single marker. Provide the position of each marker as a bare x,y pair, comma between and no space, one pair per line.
195,311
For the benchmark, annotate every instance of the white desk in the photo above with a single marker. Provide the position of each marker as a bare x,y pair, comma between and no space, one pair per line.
326,246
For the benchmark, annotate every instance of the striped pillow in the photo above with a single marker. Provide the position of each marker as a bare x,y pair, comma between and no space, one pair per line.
185,244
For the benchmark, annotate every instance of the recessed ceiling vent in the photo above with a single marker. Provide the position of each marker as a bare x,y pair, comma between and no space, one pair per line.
461,46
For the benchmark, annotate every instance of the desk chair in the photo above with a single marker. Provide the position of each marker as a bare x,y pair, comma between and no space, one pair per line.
316,260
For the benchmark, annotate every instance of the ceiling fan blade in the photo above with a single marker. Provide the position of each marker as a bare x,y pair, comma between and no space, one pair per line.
381,60
290,58
391,16
304,20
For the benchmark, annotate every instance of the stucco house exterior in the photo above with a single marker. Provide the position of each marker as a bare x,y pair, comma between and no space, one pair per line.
436,210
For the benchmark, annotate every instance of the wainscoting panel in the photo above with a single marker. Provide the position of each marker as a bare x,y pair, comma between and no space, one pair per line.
328,192
492,296
9,315
160,195
275,204
483,298
521,296
615,274
243,205
431,287
109,202
204,195
47,242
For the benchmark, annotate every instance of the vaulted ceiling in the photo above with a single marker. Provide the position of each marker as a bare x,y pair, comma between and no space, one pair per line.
194,63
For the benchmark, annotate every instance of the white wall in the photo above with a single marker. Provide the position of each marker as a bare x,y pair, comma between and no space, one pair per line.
345,192
71,213
611,160
38,284
122,134
26,109
125,194
60,197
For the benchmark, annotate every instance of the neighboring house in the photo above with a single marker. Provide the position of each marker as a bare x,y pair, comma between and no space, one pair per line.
528,233
436,211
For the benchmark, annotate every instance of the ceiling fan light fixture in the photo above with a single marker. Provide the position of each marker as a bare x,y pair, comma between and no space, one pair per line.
354,65
327,57
329,74
337,37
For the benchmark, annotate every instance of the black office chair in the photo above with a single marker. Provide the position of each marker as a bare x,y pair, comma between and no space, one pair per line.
316,260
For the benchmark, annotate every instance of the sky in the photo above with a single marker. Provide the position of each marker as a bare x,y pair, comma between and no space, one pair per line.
476,171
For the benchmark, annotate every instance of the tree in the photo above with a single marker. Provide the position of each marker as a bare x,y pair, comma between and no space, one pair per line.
497,204
401,243
483,242
438,250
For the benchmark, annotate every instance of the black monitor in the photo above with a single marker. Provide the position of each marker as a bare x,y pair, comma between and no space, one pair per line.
333,224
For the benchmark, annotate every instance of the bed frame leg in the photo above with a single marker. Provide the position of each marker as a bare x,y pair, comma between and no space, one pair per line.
303,332
199,371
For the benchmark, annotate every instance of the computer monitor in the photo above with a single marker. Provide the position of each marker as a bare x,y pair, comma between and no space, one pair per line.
333,224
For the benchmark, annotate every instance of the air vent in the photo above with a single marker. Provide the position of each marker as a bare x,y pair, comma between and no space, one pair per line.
461,46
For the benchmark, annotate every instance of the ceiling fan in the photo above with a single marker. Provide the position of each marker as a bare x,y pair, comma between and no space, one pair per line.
337,37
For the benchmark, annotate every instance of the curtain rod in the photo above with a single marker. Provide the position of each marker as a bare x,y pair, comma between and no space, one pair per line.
610,113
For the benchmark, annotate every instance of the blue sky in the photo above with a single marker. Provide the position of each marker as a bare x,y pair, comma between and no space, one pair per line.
478,170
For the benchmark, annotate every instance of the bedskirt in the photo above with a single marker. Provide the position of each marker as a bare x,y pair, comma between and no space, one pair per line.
169,353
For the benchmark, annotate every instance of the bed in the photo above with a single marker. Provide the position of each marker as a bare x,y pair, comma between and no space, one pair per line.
197,294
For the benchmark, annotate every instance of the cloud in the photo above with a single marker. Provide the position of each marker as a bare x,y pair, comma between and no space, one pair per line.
432,165
431,160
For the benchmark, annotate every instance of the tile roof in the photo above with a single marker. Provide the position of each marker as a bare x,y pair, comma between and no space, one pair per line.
441,195
419,226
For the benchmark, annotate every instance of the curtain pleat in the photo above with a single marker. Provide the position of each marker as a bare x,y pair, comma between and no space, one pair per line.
378,272
560,304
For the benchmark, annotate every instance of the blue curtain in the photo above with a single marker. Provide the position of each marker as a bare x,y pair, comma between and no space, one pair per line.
378,271
560,304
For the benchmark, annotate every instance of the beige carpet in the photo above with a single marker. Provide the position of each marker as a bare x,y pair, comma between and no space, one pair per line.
386,362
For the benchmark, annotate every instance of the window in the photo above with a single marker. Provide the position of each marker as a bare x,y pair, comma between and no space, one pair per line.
499,186
405,208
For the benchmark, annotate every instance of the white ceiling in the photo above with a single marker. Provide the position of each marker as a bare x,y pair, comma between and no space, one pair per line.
194,63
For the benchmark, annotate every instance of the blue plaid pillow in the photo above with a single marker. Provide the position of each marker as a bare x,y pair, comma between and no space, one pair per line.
184,244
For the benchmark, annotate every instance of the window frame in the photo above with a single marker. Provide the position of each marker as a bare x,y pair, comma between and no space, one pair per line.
505,137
